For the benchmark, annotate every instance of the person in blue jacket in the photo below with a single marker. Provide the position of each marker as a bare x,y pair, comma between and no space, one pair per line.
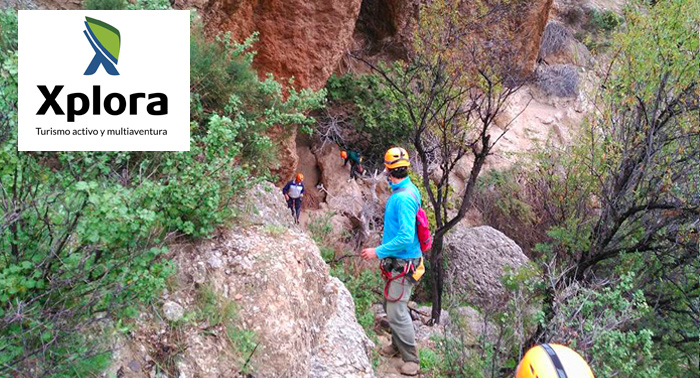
400,246
293,193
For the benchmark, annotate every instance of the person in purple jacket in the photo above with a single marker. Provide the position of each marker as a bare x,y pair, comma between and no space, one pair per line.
293,193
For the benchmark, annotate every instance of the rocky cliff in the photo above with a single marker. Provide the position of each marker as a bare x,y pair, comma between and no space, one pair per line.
257,299
298,38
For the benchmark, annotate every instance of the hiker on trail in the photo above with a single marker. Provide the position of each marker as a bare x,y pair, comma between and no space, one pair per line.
401,258
355,162
293,193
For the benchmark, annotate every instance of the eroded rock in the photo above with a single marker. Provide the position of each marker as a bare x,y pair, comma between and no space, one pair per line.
479,257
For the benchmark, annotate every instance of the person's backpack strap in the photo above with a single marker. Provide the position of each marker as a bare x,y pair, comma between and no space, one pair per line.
399,190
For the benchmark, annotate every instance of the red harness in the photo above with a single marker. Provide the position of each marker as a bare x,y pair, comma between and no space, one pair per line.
389,278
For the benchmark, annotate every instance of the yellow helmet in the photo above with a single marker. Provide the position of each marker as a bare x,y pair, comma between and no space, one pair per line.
547,360
396,157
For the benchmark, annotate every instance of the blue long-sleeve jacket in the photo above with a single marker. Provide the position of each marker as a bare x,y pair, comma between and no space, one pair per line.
400,239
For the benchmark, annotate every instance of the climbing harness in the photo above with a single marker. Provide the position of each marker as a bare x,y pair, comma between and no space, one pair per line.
411,270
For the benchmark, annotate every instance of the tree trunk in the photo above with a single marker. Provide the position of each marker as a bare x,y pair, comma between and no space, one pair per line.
437,274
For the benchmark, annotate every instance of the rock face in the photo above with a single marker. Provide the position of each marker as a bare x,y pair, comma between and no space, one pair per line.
303,39
336,353
477,259
384,29
356,203
300,320
531,25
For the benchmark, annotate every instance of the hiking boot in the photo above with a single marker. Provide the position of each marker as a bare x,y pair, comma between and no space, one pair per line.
410,368
388,350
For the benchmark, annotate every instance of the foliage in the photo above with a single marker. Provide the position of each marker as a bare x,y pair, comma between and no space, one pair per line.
429,360
361,116
105,4
150,5
606,20
223,82
8,73
495,347
83,235
596,322
624,199
321,228
597,29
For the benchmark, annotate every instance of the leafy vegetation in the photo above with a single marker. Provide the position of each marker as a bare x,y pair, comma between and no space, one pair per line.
598,29
105,4
84,235
620,206
361,116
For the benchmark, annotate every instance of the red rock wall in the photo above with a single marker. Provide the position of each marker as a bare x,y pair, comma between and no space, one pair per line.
303,39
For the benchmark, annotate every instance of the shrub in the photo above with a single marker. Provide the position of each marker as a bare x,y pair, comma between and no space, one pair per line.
362,115
83,235
559,80
596,321
574,15
606,21
556,39
105,4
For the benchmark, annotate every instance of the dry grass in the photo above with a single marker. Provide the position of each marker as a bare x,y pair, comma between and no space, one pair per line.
556,39
559,80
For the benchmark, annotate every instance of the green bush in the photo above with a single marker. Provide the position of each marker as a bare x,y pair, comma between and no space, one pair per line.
223,82
606,20
596,323
105,4
429,360
373,123
84,235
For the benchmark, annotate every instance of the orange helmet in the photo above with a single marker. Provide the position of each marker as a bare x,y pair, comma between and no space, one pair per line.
344,154
300,177
547,360
396,157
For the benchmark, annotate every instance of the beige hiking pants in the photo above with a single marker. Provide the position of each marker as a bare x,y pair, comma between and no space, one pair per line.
403,336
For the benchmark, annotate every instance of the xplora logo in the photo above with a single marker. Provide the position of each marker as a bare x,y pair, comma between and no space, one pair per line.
105,39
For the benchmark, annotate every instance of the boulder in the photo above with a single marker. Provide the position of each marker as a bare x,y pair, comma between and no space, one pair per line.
559,46
477,259
296,320
336,354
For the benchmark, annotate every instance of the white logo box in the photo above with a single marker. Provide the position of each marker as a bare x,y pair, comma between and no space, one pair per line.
154,57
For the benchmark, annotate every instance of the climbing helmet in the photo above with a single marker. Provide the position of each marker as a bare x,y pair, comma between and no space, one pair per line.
552,361
396,157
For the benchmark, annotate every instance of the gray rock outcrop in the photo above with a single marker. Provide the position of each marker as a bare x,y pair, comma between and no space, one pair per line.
478,257
291,318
